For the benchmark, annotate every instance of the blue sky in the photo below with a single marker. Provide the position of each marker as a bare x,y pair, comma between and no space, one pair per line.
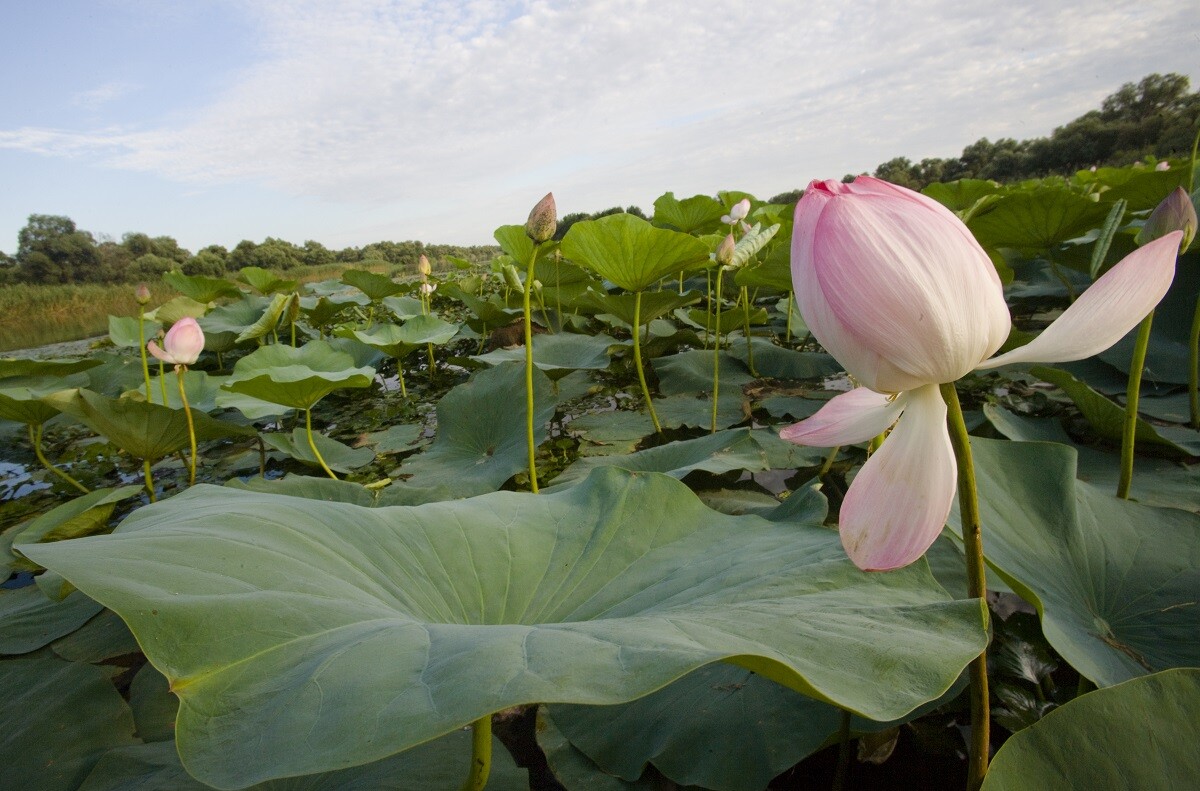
352,121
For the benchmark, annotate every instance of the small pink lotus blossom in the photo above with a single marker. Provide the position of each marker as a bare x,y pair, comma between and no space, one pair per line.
182,344
1164,165
896,288
428,288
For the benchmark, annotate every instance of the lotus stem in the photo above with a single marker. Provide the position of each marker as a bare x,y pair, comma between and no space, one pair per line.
162,381
708,307
481,754
142,347
432,361
1194,367
526,294
149,480
828,465
717,350
262,456
180,370
637,359
791,305
313,445
35,438
746,329
972,534
843,763
1129,429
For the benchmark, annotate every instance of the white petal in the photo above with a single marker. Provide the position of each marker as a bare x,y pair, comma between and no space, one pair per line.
898,503
847,419
1111,307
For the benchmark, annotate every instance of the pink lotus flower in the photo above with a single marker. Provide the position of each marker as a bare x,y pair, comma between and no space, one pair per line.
896,288
182,345
737,214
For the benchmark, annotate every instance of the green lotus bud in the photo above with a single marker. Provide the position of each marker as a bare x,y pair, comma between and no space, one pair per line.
1175,213
543,220
512,279
142,295
724,254
424,267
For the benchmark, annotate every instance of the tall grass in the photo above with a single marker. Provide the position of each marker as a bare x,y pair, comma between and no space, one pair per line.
35,315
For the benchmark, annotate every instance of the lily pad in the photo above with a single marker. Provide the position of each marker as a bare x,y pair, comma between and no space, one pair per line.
88,719
123,331
631,252
29,620
200,288
654,304
268,322
338,456
374,286
1140,734
699,213
223,325
559,354
384,628
692,372
21,367
400,341
296,377
102,638
1114,581
264,281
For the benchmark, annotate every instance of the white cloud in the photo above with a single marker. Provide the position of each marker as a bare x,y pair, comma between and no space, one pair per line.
102,94
467,112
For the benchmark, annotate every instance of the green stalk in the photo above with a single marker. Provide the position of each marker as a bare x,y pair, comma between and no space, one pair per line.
745,295
828,465
162,381
708,307
527,292
400,376
791,304
717,351
481,754
432,362
843,764
149,480
35,438
142,346
1194,366
180,370
1132,392
637,359
972,534
313,445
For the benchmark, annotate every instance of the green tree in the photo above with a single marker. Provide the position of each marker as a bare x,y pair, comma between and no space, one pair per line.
50,249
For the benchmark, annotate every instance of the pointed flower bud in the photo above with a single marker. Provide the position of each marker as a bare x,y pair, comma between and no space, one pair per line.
182,345
424,267
543,220
724,254
1175,213
142,295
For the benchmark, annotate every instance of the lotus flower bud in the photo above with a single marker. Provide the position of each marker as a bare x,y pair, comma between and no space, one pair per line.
724,254
512,279
1175,213
543,220
1164,165
424,267
142,295
182,345
428,288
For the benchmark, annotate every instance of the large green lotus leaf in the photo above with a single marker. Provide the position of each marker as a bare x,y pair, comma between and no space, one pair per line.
200,288
123,331
1167,355
154,706
697,214
178,308
1107,418
404,308
440,765
692,372
56,719
252,408
268,322
490,311
264,281
364,356
21,397
1036,220
400,341
1114,581
324,488
321,311
516,243
223,325
631,252
20,367
29,620
654,304
147,431
719,727
777,362
339,457
1146,190
1156,481
1141,734
202,390
81,516
559,354
573,769
716,453
774,271
296,377
383,628
563,283
480,440
959,196
374,286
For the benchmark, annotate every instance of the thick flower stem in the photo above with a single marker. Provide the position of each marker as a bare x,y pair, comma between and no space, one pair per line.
637,359
187,411
481,754
313,445
843,764
142,346
746,329
968,504
1194,367
528,291
717,350
149,480
35,439
1129,430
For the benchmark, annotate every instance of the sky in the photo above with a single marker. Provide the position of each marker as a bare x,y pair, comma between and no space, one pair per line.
354,121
